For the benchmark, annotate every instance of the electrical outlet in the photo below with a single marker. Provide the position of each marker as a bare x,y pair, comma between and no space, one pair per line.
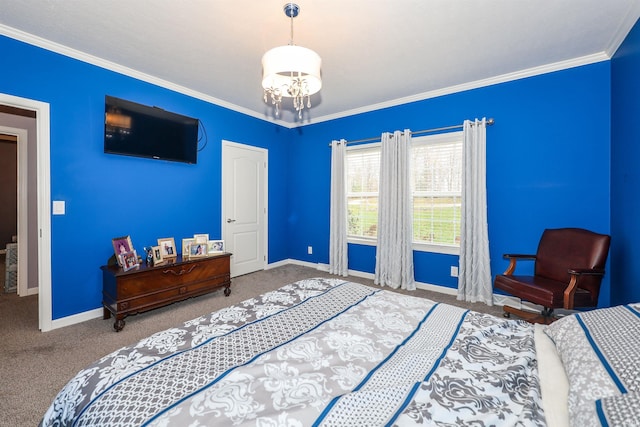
454,271
310,250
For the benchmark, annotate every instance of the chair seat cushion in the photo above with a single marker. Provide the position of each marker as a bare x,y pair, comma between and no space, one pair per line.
540,290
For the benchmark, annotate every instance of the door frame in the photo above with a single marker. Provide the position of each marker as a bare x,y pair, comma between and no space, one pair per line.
43,133
22,215
265,189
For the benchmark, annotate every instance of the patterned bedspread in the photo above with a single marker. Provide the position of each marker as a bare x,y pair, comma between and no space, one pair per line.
599,350
317,352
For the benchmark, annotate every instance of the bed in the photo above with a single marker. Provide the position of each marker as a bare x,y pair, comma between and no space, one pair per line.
330,352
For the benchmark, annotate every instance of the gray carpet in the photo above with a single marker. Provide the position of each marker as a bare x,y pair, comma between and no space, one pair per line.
34,366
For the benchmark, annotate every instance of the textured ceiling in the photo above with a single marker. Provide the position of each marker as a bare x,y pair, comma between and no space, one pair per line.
375,53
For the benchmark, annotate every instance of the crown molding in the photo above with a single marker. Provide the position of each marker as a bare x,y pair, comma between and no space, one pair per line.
112,66
530,72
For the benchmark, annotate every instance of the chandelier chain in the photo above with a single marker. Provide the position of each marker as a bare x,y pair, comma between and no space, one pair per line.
291,36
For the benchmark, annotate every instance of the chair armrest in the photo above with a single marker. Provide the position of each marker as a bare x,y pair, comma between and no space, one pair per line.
519,256
570,291
589,271
513,259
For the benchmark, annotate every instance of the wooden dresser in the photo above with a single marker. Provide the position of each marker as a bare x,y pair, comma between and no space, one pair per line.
146,288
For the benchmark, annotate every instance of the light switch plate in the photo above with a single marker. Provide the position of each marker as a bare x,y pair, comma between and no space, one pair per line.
58,207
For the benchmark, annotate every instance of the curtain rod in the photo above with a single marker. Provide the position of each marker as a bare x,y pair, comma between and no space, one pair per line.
490,122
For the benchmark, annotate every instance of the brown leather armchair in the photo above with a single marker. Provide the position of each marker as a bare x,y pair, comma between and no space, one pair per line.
568,271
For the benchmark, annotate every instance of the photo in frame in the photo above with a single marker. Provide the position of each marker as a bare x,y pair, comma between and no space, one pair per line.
198,250
215,246
201,238
167,248
156,251
121,245
186,244
129,260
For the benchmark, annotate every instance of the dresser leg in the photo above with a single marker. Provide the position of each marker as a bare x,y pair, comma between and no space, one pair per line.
227,291
106,314
118,325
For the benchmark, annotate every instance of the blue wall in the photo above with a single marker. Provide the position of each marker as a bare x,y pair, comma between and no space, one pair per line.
625,173
548,159
110,195
547,165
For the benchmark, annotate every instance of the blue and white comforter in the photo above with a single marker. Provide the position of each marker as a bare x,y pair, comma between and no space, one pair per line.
317,352
600,351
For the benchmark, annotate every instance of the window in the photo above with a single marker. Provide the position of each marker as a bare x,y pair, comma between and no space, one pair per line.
436,179
363,170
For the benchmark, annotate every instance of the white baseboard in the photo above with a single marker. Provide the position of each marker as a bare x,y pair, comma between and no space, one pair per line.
436,288
516,302
76,318
527,306
31,291
98,312
278,264
497,299
371,276
507,300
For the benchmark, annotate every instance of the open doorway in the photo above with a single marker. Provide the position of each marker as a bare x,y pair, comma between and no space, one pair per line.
28,121
9,188
13,209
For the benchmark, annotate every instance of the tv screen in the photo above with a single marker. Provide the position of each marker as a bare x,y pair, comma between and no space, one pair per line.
138,130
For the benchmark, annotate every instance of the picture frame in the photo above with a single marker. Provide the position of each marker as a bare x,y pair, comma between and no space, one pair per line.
201,238
121,245
186,244
129,260
156,251
215,247
167,248
198,250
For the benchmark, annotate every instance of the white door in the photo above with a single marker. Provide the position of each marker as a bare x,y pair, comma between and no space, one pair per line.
244,206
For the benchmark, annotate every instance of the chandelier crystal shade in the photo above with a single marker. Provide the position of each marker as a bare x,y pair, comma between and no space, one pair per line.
291,72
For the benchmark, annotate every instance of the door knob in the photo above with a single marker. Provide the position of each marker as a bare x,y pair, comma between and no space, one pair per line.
229,220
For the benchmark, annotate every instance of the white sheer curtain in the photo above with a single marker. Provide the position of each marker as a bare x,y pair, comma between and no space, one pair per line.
394,253
474,279
338,263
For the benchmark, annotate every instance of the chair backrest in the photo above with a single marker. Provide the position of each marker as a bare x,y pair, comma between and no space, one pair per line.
564,248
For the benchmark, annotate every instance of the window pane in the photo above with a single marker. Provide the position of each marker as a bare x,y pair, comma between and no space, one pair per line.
437,184
363,169
362,216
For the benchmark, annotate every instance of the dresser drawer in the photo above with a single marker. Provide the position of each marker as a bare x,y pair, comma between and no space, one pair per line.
170,276
167,296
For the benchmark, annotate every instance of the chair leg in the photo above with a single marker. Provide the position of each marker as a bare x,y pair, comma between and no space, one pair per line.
544,317
547,312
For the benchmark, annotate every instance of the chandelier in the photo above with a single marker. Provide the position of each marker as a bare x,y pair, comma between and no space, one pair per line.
291,71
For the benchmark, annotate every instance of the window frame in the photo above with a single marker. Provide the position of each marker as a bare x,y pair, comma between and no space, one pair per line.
420,140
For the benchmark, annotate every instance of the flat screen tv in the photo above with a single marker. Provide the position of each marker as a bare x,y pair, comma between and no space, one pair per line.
132,129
